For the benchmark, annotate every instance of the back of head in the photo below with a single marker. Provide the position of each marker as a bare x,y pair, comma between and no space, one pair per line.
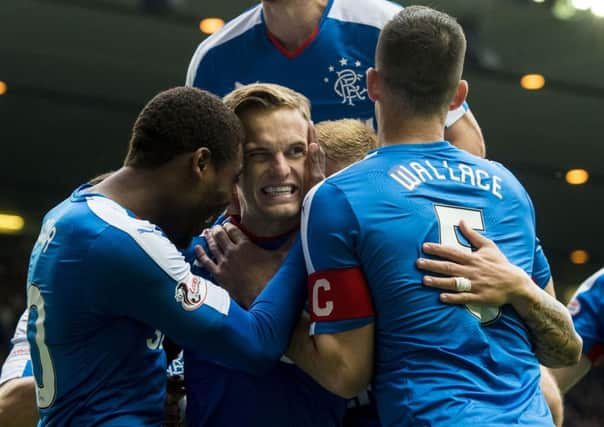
345,141
266,96
181,120
420,57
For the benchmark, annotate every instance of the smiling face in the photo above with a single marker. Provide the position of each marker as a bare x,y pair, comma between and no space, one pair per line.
272,181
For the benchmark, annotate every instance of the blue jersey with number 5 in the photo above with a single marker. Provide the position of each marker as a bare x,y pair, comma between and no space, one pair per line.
436,364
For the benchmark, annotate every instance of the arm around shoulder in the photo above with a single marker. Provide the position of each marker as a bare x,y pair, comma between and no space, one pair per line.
341,362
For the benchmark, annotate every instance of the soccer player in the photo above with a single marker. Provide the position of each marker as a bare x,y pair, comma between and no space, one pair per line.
105,276
587,309
344,141
320,48
435,363
277,122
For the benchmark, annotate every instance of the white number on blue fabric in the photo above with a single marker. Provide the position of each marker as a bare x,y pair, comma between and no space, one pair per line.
46,384
448,222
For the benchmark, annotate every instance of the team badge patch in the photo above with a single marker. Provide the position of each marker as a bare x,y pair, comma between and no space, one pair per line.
347,80
191,293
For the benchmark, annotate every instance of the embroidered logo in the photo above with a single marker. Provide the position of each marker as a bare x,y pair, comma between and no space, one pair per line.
347,81
189,293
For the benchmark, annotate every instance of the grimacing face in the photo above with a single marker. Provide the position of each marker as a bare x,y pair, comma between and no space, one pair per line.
272,181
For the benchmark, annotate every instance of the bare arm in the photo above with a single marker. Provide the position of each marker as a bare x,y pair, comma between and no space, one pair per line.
465,133
342,363
552,395
18,403
495,281
569,376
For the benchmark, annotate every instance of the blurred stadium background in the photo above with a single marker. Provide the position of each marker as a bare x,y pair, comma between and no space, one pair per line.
75,73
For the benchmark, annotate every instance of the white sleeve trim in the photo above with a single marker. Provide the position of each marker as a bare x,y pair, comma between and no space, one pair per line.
306,206
231,30
16,361
374,13
455,115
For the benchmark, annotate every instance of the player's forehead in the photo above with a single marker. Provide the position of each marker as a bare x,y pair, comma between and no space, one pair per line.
275,127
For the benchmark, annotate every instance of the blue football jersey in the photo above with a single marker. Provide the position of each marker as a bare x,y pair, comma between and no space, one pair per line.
102,284
587,309
329,69
436,364
218,395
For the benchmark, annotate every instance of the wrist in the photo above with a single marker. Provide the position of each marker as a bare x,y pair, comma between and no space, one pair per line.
526,294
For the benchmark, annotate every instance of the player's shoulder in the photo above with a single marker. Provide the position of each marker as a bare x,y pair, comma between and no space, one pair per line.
594,283
130,239
231,31
374,13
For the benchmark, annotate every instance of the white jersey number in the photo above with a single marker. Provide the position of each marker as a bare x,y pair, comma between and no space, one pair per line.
448,221
46,385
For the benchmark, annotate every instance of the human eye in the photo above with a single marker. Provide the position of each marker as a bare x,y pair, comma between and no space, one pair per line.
298,150
256,154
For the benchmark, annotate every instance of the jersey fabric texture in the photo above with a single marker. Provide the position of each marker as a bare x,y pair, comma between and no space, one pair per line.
587,309
218,395
436,364
329,69
102,284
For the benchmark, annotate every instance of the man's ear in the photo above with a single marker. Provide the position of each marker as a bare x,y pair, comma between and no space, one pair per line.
373,86
460,95
201,160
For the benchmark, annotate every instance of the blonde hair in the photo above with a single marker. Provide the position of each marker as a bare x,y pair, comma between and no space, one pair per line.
345,141
266,96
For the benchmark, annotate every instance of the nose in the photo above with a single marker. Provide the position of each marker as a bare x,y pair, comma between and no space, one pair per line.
280,167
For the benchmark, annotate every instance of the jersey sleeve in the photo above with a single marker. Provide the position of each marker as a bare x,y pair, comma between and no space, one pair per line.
587,309
339,297
201,69
541,270
156,287
18,361
455,115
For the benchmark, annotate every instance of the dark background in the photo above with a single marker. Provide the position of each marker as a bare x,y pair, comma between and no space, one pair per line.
78,72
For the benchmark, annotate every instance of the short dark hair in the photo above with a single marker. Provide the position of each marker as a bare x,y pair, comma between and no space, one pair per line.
420,55
181,120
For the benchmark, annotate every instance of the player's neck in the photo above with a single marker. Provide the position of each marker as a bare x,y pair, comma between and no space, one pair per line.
417,130
293,21
133,189
265,228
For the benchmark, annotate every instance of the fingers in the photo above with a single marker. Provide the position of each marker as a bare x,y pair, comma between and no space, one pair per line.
205,261
447,252
312,134
235,234
215,250
446,268
445,283
474,237
461,298
222,238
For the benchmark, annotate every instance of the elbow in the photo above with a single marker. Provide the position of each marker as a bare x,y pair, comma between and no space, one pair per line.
568,355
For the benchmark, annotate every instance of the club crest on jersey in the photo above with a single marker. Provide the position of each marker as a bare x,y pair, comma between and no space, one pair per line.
191,293
347,81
